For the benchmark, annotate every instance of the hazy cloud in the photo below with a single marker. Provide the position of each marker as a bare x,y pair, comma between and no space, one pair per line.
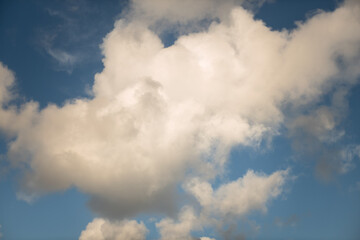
291,220
317,136
62,57
71,39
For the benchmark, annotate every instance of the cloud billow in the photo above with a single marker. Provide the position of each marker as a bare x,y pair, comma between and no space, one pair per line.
158,112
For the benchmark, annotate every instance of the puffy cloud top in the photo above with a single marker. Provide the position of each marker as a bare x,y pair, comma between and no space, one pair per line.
239,197
102,229
159,111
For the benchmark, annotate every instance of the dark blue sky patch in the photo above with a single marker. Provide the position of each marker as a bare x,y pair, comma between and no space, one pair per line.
283,14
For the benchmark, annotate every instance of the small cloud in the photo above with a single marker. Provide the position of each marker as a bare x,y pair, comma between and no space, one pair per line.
65,61
292,221
231,199
63,57
1,235
101,228
28,198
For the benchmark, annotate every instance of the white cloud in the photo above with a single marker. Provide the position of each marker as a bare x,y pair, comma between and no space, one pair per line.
181,229
102,229
7,80
238,198
12,120
62,57
158,111
230,201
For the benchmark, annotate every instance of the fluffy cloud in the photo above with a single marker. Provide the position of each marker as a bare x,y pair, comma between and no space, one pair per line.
13,120
239,197
7,80
102,229
158,112
230,201
181,229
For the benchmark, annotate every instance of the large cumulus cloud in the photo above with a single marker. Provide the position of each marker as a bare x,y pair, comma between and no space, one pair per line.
158,112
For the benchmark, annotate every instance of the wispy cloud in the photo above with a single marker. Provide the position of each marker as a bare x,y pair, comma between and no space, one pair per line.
66,40
291,221
63,58
317,136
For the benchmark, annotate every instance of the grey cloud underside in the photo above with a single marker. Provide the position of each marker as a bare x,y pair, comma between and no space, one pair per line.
162,202
162,117
316,136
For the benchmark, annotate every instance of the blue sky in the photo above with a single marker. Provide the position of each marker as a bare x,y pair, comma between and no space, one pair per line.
154,120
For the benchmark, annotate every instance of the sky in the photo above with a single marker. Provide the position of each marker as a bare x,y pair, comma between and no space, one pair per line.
179,120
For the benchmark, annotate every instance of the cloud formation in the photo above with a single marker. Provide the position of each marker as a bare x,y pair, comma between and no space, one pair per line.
237,198
316,136
291,220
181,229
102,229
7,80
162,116
232,200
